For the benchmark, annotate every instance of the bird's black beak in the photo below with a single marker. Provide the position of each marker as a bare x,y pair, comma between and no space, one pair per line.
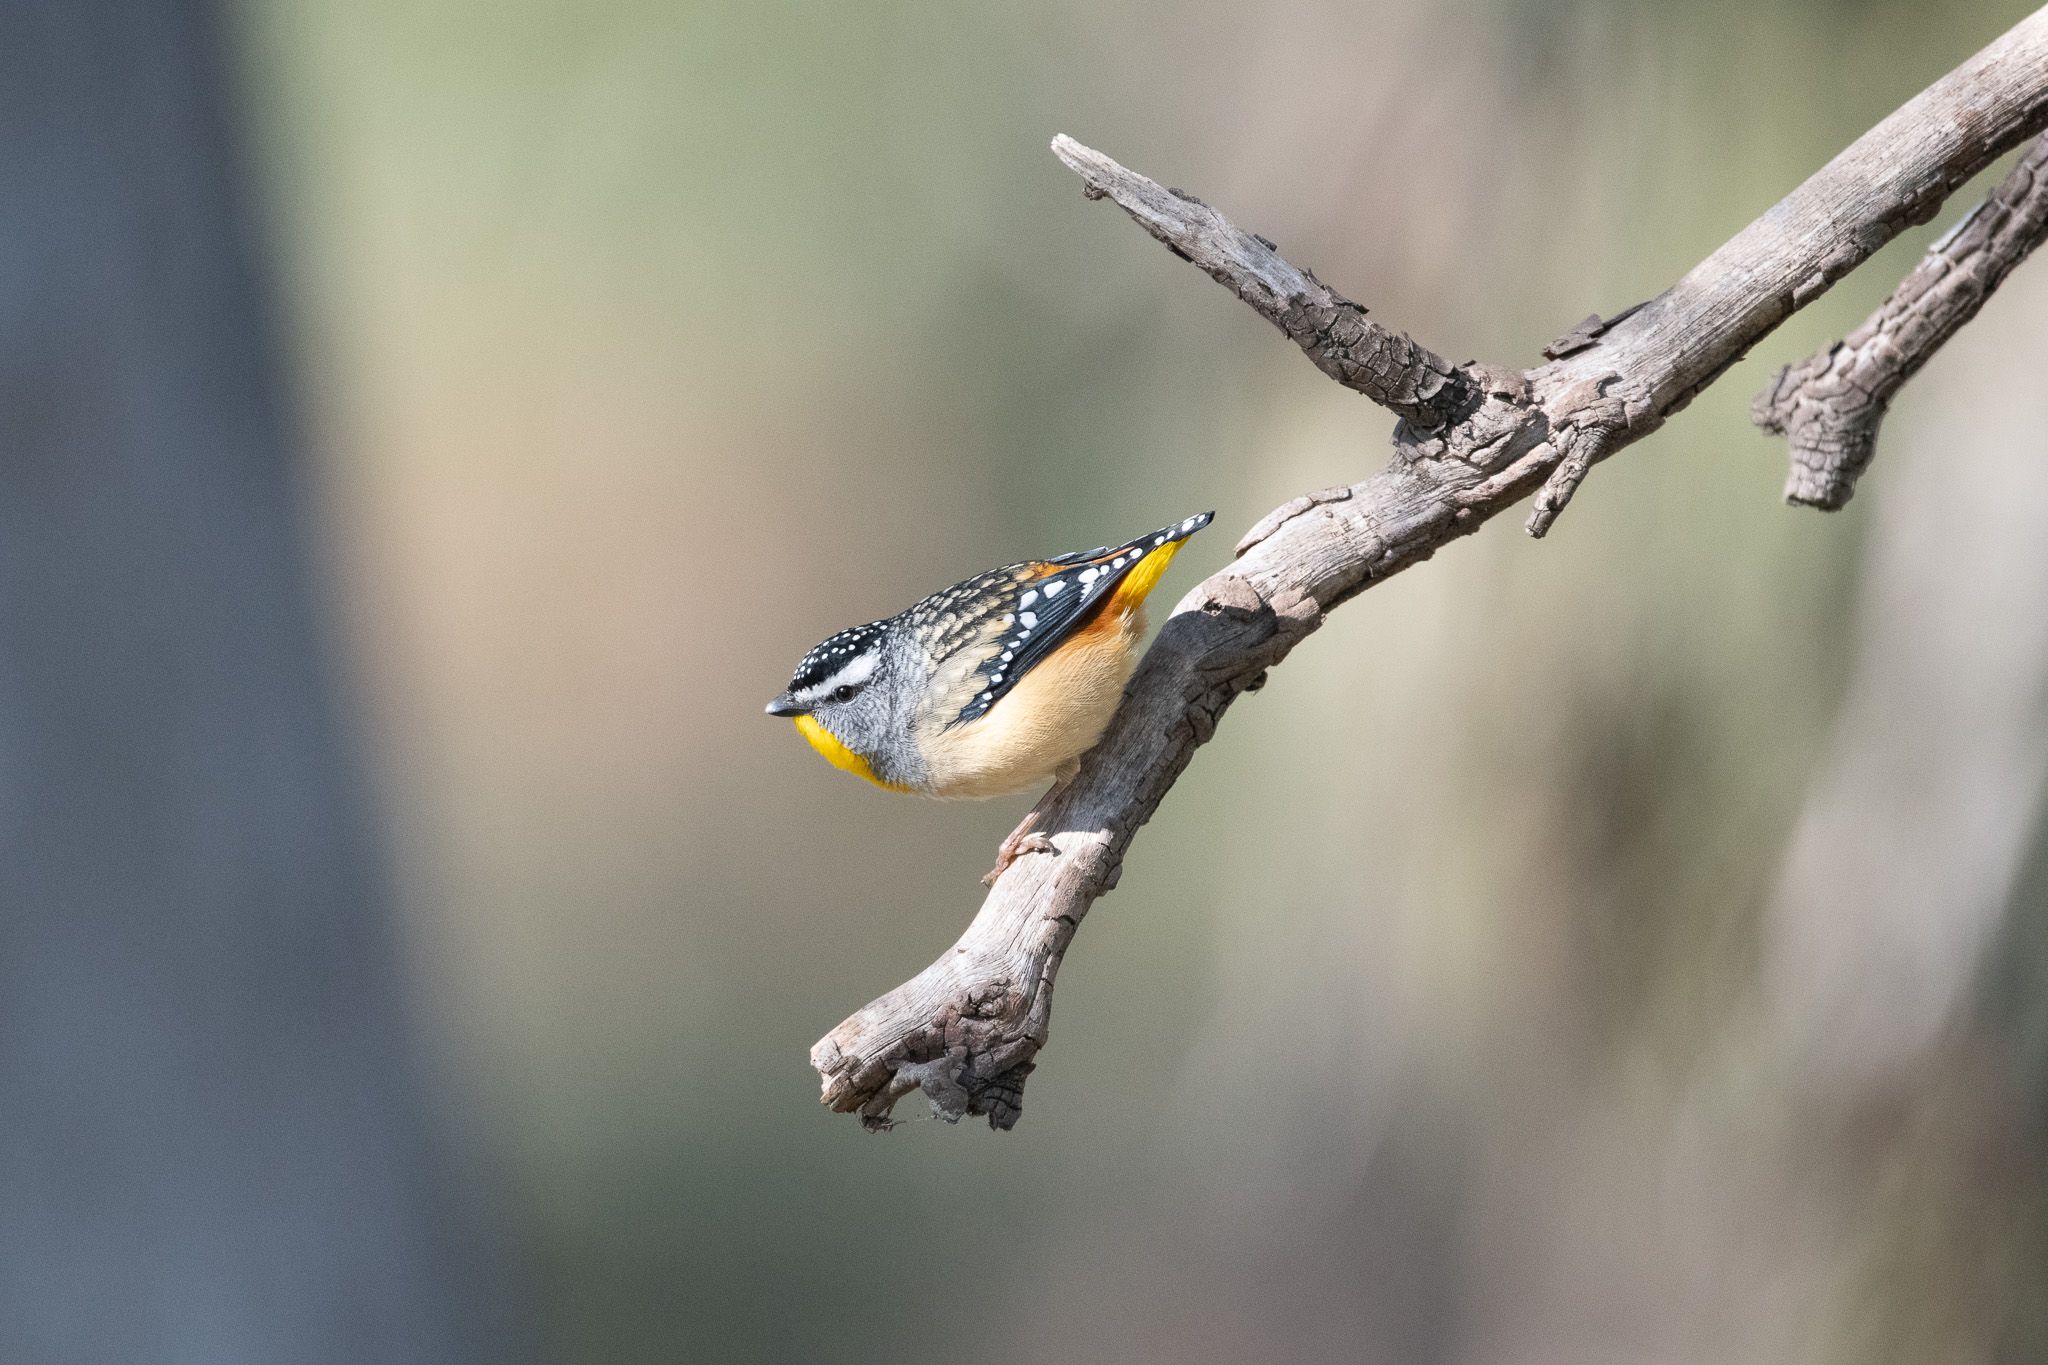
783,706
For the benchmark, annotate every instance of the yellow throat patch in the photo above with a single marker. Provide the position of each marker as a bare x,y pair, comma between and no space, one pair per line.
838,755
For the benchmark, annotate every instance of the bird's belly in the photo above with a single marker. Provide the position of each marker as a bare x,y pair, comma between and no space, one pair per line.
1053,715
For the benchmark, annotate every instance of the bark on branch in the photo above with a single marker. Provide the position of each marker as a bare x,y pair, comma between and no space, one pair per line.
1831,405
1473,441
1410,380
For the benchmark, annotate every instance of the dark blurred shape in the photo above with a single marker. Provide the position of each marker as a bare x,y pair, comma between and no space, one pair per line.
212,1143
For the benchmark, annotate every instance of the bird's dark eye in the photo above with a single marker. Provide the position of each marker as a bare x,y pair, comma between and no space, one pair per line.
846,693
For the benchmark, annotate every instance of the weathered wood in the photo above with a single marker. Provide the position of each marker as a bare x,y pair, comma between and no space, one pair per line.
1831,405
1386,366
1473,441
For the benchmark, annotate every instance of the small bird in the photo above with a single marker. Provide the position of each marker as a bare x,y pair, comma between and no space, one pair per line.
989,686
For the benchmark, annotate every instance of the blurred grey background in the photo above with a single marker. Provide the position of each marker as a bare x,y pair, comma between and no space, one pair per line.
429,432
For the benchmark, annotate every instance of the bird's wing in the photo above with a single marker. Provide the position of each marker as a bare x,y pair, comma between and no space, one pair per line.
1022,613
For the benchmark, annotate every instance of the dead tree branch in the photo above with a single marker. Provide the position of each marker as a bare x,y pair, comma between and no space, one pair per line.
1473,441
1410,380
1831,404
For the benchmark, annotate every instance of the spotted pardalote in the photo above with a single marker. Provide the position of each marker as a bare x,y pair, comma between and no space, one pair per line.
994,684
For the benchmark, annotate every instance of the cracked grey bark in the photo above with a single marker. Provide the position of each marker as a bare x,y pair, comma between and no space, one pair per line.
1473,440
1393,370
1831,405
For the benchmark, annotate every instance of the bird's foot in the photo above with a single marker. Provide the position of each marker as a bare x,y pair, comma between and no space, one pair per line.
1022,840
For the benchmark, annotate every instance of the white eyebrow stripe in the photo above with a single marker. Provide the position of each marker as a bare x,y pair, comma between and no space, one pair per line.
852,673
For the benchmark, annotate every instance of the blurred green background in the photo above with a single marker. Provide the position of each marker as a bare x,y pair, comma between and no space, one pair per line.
1623,947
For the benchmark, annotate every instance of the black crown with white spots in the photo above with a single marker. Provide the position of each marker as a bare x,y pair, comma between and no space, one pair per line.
832,655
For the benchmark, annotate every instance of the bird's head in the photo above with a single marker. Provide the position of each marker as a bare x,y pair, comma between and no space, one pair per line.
845,698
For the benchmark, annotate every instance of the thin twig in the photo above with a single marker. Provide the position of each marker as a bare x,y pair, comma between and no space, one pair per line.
1408,379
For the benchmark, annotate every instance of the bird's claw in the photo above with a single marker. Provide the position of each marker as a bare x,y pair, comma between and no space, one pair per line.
1015,847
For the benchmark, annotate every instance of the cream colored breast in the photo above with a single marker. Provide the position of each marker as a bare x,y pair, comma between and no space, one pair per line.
1052,716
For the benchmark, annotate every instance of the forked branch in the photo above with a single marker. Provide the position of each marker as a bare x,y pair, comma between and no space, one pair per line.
1831,404
1472,441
